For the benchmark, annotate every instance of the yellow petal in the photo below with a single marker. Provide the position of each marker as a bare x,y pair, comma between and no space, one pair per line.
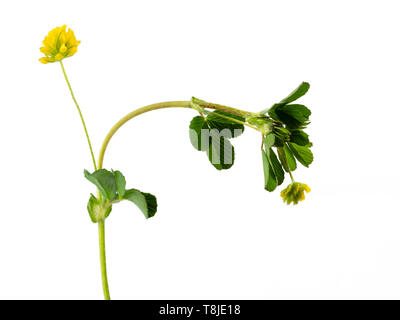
45,50
72,51
45,60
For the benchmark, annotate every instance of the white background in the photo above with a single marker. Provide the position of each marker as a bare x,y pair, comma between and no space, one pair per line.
217,235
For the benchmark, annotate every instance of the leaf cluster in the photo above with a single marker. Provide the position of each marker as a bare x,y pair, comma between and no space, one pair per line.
212,134
112,189
288,137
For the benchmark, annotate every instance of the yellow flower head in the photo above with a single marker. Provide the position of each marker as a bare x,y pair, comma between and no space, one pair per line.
59,44
295,192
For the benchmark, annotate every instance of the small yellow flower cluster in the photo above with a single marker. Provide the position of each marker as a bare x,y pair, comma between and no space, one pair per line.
59,44
295,192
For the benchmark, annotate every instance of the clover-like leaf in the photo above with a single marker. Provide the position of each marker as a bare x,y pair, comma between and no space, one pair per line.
112,187
212,134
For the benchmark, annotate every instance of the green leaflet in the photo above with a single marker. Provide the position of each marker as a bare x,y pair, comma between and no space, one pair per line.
272,111
112,187
120,182
293,115
273,172
300,91
287,159
146,202
302,153
277,167
299,137
195,134
269,176
212,134
218,121
104,180
220,152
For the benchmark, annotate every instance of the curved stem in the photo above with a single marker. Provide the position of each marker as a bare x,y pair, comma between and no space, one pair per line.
110,134
80,114
129,116
102,247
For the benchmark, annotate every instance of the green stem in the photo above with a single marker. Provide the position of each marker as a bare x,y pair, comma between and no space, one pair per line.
80,114
110,134
163,105
102,247
129,116
101,223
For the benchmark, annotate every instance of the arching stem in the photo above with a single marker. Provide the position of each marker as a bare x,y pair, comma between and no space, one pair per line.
110,134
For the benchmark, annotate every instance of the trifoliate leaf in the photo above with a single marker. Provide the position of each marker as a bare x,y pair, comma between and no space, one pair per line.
287,159
299,137
300,91
269,175
302,153
111,185
212,134
105,182
146,202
